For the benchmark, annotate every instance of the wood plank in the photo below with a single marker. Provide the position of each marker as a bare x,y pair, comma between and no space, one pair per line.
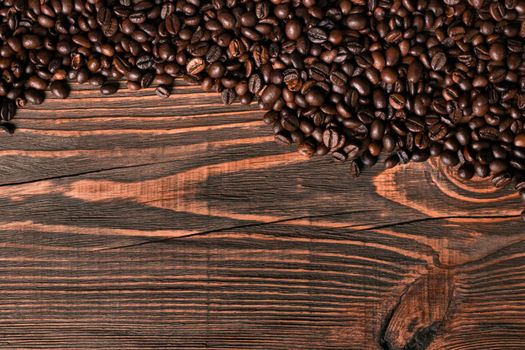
134,222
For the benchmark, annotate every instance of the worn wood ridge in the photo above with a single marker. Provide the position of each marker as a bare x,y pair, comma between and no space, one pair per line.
131,222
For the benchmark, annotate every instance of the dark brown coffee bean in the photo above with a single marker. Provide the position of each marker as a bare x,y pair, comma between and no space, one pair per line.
502,180
315,96
361,85
354,168
8,128
293,29
389,75
162,91
228,96
270,94
172,24
397,101
317,35
108,88
519,140
439,61
391,161
356,21
147,80
34,96
415,72
338,78
7,110
195,66
60,89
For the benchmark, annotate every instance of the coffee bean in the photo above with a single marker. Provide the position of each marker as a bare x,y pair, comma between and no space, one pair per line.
502,180
356,21
354,168
162,91
415,124
466,171
415,72
438,61
228,96
449,158
8,128
338,78
377,129
397,101
420,155
270,94
108,88
519,140
361,85
34,96
7,110
315,97
389,75
317,35
391,161
195,66
331,138
290,122
352,78
60,89
293,29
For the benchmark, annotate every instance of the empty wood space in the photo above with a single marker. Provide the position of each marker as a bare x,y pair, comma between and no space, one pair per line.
131,222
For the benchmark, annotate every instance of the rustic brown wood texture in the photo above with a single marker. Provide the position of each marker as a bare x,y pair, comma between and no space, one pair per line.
130,222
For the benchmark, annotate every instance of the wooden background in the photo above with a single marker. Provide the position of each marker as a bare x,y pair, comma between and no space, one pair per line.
134,222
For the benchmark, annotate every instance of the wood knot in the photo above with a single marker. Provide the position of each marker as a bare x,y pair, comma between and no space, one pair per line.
420,313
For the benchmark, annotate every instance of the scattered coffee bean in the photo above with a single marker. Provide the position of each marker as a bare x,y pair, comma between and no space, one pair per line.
162,91
108,88
412,79
59,88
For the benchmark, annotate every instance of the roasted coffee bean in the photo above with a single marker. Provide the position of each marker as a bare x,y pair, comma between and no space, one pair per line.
315,96
391,161
293,29
397,101
7,110
502,180
228,96
34,96
290,122
331,138
59,88
195,66
354,168
438,61
317,35
415,72
449,158
353,78
377,129
270,94
108,88
162,91
8,128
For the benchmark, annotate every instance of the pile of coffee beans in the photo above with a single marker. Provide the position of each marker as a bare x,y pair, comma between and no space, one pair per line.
411,79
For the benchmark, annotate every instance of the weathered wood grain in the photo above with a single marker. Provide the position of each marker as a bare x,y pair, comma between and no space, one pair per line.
134,222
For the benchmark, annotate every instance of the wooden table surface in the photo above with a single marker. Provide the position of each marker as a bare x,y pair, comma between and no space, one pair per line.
134,222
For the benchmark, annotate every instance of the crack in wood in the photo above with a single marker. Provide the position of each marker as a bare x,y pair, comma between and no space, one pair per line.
66,176
408,222
258,224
